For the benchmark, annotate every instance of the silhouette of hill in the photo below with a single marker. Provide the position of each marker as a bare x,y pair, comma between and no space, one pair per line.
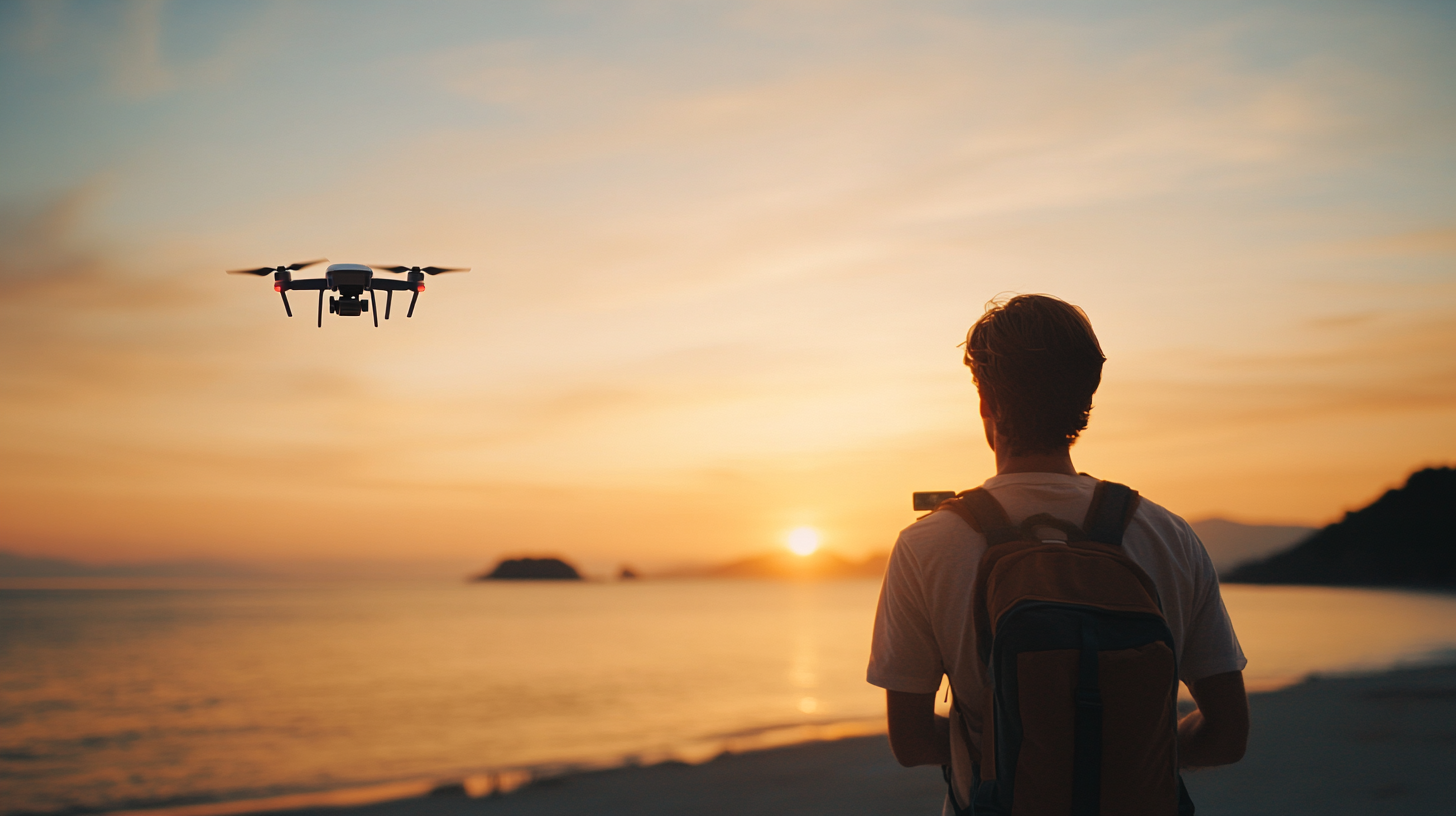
531,569
821,564
25,566
1231,544
1405,538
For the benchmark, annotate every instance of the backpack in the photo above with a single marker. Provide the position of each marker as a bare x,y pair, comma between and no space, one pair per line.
1080,712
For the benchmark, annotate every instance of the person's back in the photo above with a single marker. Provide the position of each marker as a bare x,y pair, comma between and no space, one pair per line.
1036,363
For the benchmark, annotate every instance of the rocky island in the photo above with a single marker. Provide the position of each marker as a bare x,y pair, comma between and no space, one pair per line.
531,569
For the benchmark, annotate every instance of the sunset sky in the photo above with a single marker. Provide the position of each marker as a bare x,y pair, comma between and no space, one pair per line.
723,254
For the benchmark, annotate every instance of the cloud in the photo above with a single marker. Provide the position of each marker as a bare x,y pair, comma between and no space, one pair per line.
1372,367
980,122
32,27
1439,242
139,71
41,244
84,322
1343,321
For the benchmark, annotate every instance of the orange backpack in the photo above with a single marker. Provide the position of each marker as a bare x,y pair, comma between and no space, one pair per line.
1081,704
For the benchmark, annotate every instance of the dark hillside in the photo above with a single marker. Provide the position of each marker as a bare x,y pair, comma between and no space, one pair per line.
1231,544
1407,537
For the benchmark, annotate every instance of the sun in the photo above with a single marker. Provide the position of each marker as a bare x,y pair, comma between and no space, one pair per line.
803,540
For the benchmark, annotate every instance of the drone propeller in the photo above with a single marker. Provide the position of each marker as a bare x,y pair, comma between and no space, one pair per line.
268,270
428,270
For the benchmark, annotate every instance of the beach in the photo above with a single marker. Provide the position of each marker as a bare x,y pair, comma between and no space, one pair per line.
1359,744
1373,744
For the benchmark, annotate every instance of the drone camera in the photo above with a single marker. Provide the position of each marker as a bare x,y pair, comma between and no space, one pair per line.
347,308
929,500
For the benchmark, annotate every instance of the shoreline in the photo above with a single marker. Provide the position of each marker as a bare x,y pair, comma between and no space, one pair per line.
499,781
1366,742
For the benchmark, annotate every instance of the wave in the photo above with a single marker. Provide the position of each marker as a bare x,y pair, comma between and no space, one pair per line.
491,781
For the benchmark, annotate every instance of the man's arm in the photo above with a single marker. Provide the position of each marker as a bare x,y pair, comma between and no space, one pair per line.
917,735
1218,731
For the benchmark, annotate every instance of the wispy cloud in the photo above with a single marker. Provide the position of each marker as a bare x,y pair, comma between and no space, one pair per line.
1438,241
140,72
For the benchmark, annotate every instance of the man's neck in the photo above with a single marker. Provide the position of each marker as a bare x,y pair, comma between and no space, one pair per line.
1059,462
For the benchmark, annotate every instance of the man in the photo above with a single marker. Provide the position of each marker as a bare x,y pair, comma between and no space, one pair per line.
1037,363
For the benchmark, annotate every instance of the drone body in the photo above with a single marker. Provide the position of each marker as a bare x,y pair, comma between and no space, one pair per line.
351,281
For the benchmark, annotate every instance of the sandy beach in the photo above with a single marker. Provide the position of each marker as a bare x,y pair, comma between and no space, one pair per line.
1375,744
1372,744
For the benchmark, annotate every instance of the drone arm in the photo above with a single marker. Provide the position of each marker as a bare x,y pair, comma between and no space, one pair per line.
390,285
309,283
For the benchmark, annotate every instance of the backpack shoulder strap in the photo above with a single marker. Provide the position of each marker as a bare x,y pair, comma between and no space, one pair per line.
1113,506
981,510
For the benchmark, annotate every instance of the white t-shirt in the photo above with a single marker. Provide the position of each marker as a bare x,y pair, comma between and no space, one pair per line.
923,628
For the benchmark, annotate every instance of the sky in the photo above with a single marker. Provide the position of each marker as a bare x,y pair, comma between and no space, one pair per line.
722,255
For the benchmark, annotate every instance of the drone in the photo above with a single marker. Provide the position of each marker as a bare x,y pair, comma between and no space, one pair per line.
351,281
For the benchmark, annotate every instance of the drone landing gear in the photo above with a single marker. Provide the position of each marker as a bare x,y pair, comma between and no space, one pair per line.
286,307
374,308
321,309
389,301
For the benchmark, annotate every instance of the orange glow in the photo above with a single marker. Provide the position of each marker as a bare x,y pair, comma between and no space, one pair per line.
702,306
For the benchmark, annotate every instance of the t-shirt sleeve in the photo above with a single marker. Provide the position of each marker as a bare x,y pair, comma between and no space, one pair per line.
904,655
1210,646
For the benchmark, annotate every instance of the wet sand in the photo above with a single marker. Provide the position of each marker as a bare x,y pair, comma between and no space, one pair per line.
1378,744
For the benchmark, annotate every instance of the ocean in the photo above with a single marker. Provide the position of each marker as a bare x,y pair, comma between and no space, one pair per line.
122,698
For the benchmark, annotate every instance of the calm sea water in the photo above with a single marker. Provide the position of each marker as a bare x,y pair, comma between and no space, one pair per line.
117,697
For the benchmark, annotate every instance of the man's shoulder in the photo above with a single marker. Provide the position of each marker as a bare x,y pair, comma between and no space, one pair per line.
935,532
1159,520
936,526
939,551
1164,536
